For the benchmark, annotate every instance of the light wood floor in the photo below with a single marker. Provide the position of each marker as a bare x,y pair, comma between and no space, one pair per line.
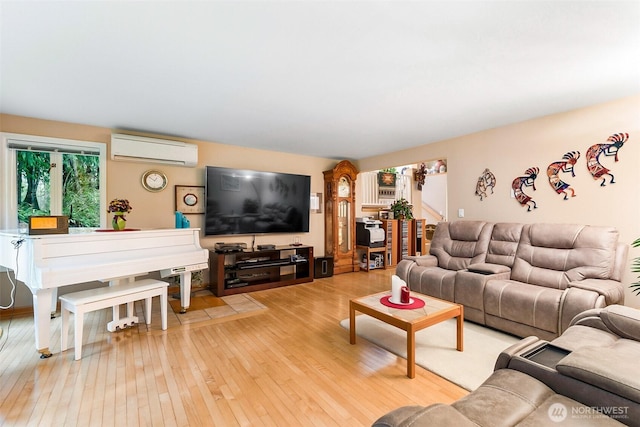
289,365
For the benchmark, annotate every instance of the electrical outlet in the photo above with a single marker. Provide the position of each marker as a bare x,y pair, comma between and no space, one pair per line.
460,213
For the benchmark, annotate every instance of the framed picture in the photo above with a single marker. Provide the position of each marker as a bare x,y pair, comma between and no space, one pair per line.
230,183
316,203
190,199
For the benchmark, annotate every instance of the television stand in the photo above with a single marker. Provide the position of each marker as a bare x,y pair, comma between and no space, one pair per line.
248,271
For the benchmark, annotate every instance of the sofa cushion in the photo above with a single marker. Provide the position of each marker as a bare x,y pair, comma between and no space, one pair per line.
578,336
504,243
504,399
460,243
519,302
562,411
417,416
433,281
553,255
614,368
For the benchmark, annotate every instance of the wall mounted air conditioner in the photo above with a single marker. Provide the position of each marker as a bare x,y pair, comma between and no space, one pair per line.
134,148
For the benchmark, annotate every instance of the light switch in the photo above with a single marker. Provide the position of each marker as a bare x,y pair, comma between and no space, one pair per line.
460,213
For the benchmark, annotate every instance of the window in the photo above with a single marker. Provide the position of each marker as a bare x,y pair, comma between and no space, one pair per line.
50,176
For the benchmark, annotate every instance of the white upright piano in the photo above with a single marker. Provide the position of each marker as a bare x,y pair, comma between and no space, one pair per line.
46,262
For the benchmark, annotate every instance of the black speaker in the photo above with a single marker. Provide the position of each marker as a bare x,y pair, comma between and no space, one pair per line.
323,267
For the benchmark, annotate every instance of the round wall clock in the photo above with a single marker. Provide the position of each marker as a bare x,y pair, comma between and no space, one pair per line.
154,180
190,199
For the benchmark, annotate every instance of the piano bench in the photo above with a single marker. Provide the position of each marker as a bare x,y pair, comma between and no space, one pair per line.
82,302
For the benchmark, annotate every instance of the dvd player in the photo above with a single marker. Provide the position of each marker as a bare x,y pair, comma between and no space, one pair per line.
266,247
230,247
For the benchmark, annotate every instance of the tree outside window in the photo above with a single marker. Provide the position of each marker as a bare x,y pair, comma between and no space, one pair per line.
77,195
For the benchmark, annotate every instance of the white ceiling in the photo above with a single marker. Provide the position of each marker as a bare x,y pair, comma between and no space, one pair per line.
325,78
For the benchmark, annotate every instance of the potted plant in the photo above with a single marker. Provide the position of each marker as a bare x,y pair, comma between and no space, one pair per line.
635,268
401,209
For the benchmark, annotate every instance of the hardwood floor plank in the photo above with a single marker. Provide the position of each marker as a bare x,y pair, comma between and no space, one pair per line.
290,364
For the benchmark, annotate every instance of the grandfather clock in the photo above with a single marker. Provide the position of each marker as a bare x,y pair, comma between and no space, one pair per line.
339,216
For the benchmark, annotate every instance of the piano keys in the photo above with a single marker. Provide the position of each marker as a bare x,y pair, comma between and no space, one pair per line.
46,262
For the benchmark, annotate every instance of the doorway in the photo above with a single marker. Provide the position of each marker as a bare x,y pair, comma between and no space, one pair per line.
433,206
430,202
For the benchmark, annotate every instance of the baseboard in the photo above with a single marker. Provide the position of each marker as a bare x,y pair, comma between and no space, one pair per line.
16,312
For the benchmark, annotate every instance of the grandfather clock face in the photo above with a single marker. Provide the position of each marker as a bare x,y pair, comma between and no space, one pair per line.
344,187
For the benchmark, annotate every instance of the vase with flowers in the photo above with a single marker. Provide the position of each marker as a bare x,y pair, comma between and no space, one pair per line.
119,207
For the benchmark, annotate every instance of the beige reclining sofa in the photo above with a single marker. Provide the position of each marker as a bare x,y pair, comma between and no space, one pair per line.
524,279
589,376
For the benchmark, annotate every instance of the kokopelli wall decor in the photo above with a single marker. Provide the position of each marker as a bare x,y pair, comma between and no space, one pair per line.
486,181
616,141
518,185
564,165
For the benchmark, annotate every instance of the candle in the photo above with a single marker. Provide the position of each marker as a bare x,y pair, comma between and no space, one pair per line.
404,295
396,289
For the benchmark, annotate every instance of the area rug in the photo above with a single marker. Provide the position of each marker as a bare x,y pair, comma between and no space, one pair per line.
436,348
201,299
208,309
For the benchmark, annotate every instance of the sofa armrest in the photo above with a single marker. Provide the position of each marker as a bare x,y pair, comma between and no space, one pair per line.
618,319
622,321
425,260
502,362
487,268
611,290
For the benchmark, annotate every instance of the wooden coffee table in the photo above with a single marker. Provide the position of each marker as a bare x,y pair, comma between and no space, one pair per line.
410,320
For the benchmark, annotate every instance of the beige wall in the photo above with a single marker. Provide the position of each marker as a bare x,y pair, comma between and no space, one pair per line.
508,151
156,210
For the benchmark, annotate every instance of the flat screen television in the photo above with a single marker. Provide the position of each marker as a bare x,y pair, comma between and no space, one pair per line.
253,202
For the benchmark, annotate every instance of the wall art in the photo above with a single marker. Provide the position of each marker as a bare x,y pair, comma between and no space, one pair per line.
486,181
190,199
419,176
387,183
316,203
387,179
518,185
616,141
564,165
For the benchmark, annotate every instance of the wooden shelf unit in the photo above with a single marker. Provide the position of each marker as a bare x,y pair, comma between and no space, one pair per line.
419,241
390,227
361,249
405,238
247,271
